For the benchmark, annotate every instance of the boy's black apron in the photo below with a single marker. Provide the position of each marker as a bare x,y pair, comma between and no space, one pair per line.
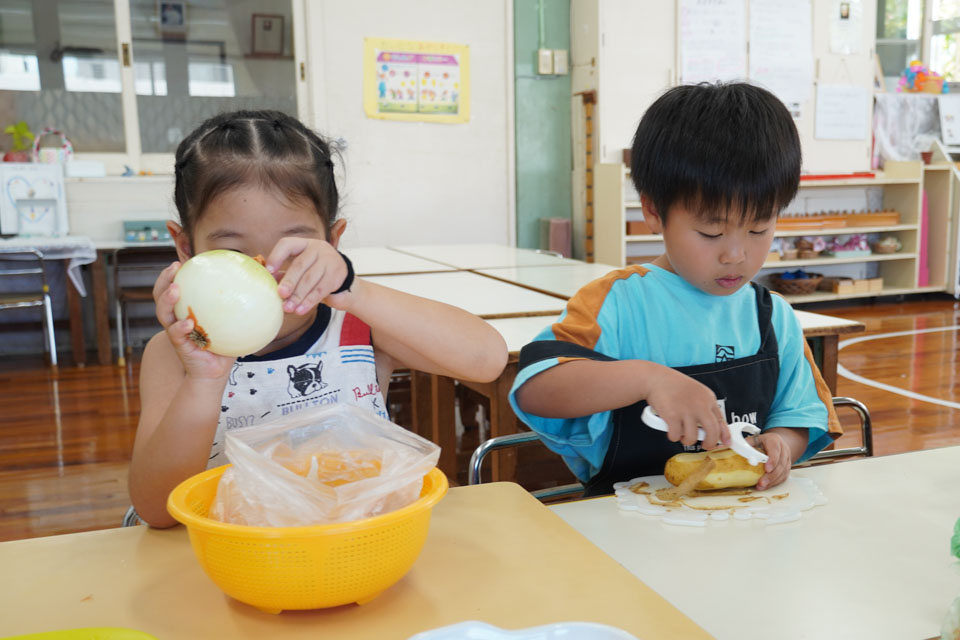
746,385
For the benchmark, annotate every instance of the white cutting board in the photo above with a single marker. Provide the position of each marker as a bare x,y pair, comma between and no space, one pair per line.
782,503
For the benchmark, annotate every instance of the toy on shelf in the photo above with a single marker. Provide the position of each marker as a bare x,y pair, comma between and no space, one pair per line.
916,78
851,246
845,285
887,244
810,247
838,220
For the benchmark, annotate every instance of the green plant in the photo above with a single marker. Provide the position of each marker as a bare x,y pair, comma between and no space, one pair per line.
18,132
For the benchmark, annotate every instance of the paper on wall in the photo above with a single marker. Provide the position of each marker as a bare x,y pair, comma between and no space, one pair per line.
713,40
846,26
781,49
841,112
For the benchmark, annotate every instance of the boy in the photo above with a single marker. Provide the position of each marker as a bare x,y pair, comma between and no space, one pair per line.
688,333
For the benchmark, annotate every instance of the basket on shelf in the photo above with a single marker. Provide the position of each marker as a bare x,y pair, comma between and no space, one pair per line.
795,286
889,244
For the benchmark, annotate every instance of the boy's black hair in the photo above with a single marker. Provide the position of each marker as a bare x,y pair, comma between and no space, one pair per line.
269,149
717,147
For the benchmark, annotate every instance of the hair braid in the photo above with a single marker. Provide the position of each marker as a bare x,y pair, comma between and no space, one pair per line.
269,149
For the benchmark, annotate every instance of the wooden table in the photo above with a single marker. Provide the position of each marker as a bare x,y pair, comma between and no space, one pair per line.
559,280
493,553
433,396
823,333
484,256
379,261
874,562
481,296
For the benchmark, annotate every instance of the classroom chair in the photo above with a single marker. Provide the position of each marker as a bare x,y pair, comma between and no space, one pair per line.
25,262
131,519
132,261
552,493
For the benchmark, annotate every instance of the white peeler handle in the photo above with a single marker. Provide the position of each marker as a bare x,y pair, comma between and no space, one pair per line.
650,417
737,441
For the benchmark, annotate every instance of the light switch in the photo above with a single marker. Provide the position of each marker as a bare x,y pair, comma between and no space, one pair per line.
545,61
560,66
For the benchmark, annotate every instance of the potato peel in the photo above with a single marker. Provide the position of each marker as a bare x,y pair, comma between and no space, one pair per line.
689,483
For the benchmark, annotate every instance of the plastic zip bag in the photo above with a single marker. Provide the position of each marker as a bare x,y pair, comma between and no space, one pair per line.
336,463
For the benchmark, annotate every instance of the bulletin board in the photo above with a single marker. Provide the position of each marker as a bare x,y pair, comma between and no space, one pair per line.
420,81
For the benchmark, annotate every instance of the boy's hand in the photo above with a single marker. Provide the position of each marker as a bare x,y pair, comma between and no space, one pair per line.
686,405
197,362
781,457
315,271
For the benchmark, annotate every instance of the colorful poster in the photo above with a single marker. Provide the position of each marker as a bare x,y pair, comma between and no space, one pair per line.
408,80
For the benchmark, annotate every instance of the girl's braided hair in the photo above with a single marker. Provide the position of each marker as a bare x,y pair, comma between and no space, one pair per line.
269,149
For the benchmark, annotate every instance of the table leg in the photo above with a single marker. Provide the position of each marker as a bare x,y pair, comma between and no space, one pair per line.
77,343
443,423
503,422
101,316
420,403
434,416
828,367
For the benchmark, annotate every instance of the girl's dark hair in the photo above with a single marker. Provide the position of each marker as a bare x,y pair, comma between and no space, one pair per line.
266,148
715,148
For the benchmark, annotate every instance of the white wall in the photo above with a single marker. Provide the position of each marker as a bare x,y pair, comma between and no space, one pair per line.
97,207
418,182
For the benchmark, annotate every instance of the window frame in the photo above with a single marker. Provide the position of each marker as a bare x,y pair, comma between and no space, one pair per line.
162,163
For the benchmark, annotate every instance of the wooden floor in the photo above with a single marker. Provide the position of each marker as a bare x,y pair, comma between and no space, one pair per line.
65,438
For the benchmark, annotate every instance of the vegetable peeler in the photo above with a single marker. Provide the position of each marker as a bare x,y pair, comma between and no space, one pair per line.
737,429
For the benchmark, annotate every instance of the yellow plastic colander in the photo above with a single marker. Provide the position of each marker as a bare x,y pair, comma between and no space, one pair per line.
277,568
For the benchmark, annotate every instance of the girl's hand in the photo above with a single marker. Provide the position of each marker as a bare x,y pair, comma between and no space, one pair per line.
777,468
686,405
315,270
197,362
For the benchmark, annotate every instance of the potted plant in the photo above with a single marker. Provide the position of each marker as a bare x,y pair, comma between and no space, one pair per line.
22,142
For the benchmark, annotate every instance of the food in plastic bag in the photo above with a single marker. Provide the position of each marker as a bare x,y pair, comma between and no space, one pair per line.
336,463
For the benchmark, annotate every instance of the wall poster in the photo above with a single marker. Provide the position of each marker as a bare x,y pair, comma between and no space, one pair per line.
410,80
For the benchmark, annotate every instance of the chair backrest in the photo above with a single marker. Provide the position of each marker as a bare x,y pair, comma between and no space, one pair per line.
518,439
866,432
141,259
18,263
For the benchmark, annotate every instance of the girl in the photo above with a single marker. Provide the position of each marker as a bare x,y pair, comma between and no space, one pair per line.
261,183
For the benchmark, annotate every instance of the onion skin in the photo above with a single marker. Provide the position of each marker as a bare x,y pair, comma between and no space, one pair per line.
232,300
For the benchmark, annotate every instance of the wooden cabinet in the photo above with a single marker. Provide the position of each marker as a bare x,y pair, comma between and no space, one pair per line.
927,241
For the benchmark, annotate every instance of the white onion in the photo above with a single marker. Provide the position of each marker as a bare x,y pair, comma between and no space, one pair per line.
234,301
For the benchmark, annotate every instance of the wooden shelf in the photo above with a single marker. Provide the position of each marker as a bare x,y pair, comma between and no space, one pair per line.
817,262
825,296
902,185
843,231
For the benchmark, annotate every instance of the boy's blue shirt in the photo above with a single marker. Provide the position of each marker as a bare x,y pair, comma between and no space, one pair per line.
648,313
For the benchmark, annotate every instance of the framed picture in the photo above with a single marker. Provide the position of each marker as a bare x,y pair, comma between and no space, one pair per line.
172,18
266,36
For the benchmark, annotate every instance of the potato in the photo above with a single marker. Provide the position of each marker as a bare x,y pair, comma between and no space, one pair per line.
731,470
